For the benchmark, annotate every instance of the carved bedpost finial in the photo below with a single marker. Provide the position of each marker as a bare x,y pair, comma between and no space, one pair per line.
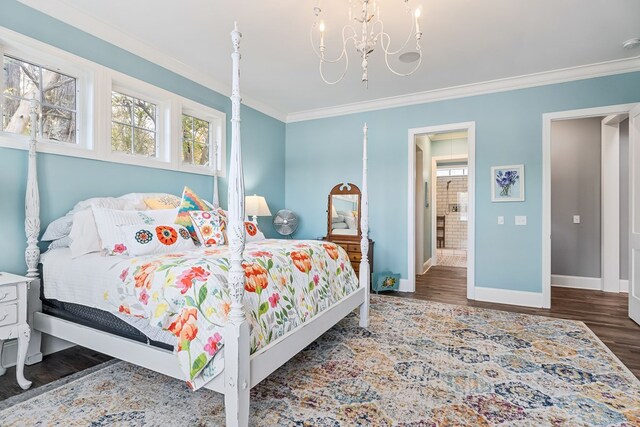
32,199
235,194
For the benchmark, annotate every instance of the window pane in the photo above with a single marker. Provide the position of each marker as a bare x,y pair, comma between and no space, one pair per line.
121,106
187,155
144,142
58,124
15,116
201,154
58,90
120,138
442,172
20,78
201,128
187,123
456,172
144,115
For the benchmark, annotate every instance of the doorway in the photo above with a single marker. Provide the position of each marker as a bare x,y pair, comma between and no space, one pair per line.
585,200
441,219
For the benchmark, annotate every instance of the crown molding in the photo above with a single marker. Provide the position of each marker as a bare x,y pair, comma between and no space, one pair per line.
63,12
582,72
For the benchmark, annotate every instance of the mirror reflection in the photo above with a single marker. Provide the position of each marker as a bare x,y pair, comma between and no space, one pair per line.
344,214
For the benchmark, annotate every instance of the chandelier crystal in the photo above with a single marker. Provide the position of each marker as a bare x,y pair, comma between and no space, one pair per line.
365,29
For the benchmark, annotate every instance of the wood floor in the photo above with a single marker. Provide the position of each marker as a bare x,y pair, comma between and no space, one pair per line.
604,313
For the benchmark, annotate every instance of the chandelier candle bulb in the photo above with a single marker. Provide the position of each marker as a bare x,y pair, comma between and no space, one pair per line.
322,28
417,21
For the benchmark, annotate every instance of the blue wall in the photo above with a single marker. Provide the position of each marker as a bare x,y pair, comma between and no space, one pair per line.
323,152
66,180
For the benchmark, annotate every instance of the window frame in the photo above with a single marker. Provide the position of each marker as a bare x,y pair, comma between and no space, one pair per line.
47,58
94,85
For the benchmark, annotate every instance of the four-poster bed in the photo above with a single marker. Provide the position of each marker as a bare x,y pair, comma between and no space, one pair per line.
242,370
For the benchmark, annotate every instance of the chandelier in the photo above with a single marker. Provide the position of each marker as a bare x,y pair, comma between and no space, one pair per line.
365,32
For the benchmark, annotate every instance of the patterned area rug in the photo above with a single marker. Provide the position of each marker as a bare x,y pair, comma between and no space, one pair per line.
419,364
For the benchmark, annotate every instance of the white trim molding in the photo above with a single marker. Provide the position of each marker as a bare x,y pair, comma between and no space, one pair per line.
406,285
507,296
547,119
427,265
624,285
576,282
470,127
582,72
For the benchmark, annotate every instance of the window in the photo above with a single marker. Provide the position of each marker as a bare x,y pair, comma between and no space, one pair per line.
133,125
58,94
452,171
196,142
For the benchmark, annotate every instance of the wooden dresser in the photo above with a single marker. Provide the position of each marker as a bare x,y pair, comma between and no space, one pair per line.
353,250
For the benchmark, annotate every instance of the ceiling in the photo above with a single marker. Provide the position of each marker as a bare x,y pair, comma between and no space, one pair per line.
464,42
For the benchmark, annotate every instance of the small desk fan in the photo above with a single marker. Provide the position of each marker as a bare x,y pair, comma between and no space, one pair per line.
285,222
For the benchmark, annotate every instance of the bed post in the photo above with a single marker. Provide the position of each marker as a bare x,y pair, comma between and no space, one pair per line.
236,332
365,271
216,198
32,231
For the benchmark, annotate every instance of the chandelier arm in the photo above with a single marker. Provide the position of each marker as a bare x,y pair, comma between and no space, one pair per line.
344,44
382,35
386,60
346,67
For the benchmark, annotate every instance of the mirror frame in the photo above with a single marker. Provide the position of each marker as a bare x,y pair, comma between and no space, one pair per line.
344,189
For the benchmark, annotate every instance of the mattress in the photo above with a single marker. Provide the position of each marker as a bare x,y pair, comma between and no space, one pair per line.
73,288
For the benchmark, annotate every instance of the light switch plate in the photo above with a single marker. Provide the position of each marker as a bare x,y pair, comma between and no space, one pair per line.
576,219
500,220
521,220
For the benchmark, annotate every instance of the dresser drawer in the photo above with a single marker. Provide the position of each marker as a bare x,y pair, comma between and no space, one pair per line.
355,256
8,314
8,293
353,247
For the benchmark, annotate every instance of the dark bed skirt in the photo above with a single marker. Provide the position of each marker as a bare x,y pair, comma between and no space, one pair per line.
96,319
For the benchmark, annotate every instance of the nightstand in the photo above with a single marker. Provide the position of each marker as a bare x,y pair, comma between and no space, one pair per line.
13,320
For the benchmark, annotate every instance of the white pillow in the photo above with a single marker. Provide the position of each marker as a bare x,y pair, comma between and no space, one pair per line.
58,229
156,239
351,222
84,234
63,242
104,202
108,222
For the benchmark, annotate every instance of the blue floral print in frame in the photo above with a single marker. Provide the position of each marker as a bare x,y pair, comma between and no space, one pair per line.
507,183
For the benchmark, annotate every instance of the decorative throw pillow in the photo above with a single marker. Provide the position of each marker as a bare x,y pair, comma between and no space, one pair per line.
190,202
156,239
253,232
58,229
210,227
109,222
163,202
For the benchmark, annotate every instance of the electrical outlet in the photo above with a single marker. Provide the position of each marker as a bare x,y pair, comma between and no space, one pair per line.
576,219
500,220
521,220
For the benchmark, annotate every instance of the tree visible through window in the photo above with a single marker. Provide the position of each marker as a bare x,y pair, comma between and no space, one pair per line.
56,91
195,141
133,125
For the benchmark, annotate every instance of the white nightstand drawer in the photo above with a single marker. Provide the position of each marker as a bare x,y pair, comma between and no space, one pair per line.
8,293
8,314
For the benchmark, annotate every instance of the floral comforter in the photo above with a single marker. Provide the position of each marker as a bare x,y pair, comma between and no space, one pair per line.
287,283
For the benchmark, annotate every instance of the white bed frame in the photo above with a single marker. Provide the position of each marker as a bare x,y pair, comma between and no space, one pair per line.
242,370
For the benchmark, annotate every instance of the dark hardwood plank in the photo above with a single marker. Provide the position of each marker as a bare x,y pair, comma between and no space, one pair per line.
53,367
604,313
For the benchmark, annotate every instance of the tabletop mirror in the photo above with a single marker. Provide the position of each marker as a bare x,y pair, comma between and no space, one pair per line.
344,212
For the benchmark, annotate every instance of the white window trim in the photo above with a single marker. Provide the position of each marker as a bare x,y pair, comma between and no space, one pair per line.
217,137
95,84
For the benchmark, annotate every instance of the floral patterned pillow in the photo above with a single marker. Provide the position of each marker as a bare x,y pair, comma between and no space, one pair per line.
156,239
210,227
253,232
190,202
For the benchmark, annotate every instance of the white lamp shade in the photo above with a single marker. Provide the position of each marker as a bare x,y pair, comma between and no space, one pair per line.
256,206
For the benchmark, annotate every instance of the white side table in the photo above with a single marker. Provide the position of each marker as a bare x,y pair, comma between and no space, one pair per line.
13,320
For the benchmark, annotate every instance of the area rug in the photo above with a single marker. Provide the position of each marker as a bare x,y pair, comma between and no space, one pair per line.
419,364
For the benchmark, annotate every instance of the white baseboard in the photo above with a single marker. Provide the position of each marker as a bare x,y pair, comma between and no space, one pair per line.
507,296
49,345
577,282
426,266
624,285
406,285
